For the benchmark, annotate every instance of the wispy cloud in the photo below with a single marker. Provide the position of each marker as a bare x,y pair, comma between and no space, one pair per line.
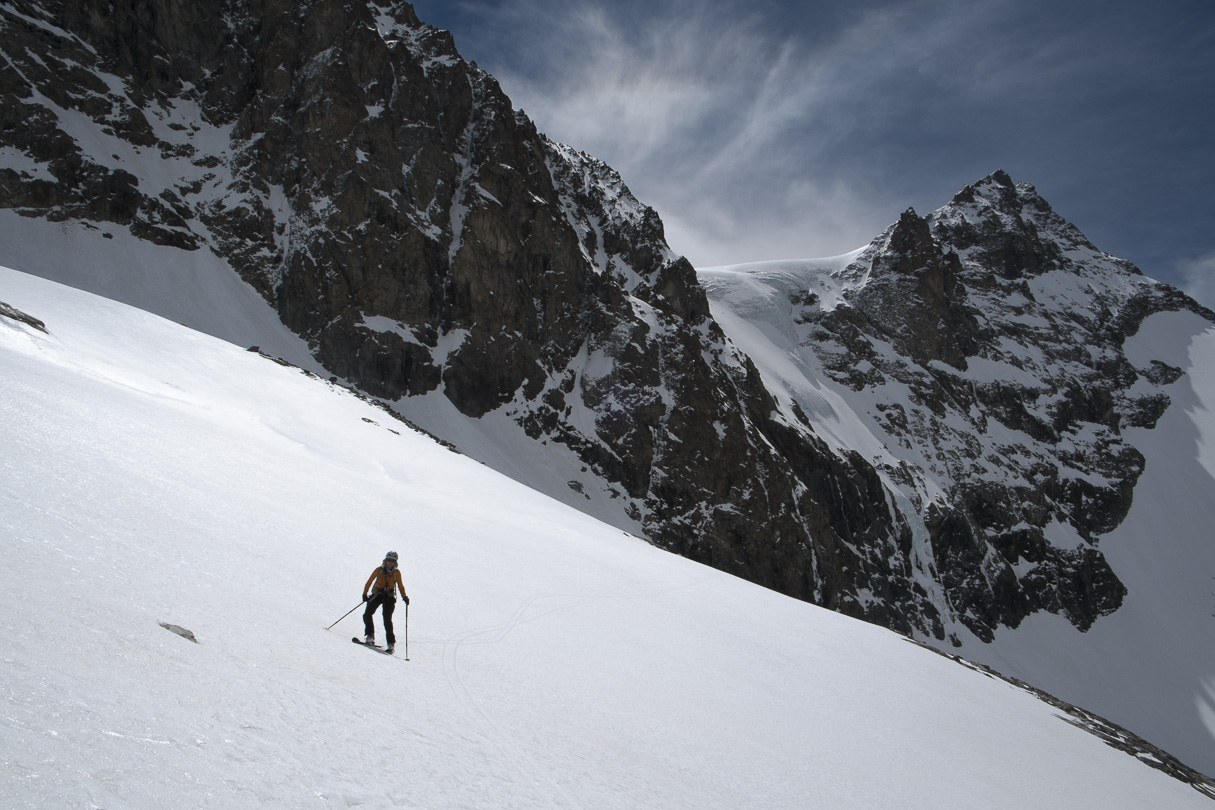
724,125
1198,279
767,130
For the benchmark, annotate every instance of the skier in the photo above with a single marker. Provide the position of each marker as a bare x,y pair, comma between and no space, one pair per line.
385,579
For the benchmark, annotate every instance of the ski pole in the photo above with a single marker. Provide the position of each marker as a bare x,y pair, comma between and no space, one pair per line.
406,631
352,610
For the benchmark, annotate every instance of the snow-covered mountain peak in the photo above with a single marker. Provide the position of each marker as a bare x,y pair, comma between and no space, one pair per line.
982,346
1010,228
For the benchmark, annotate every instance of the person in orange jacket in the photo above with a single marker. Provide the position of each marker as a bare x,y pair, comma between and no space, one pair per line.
383,584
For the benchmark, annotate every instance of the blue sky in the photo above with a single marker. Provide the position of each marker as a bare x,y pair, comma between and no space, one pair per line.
764,130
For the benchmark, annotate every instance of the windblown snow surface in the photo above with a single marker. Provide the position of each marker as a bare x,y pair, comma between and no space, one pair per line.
150,473
1150,666
195,288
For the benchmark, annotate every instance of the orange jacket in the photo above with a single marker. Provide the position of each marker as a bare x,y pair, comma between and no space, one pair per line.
386,581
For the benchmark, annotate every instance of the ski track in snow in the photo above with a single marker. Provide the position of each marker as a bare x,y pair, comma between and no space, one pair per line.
528,611
493,732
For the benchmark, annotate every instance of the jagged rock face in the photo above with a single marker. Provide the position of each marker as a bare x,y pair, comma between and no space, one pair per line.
929,310
345,160
990,335
684,424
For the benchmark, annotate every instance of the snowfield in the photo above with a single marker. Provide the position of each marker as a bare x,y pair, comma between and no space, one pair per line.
150,473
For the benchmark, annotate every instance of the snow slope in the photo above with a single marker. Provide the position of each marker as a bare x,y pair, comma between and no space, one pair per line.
192,287
1149,666
154,474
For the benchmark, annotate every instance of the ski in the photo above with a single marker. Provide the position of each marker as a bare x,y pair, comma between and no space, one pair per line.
375,647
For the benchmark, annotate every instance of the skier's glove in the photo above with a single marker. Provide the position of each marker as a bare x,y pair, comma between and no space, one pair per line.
406,598
364,597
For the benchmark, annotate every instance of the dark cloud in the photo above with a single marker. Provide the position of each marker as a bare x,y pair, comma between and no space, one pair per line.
772,130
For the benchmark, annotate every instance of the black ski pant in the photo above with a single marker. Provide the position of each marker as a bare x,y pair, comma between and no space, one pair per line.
390,605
